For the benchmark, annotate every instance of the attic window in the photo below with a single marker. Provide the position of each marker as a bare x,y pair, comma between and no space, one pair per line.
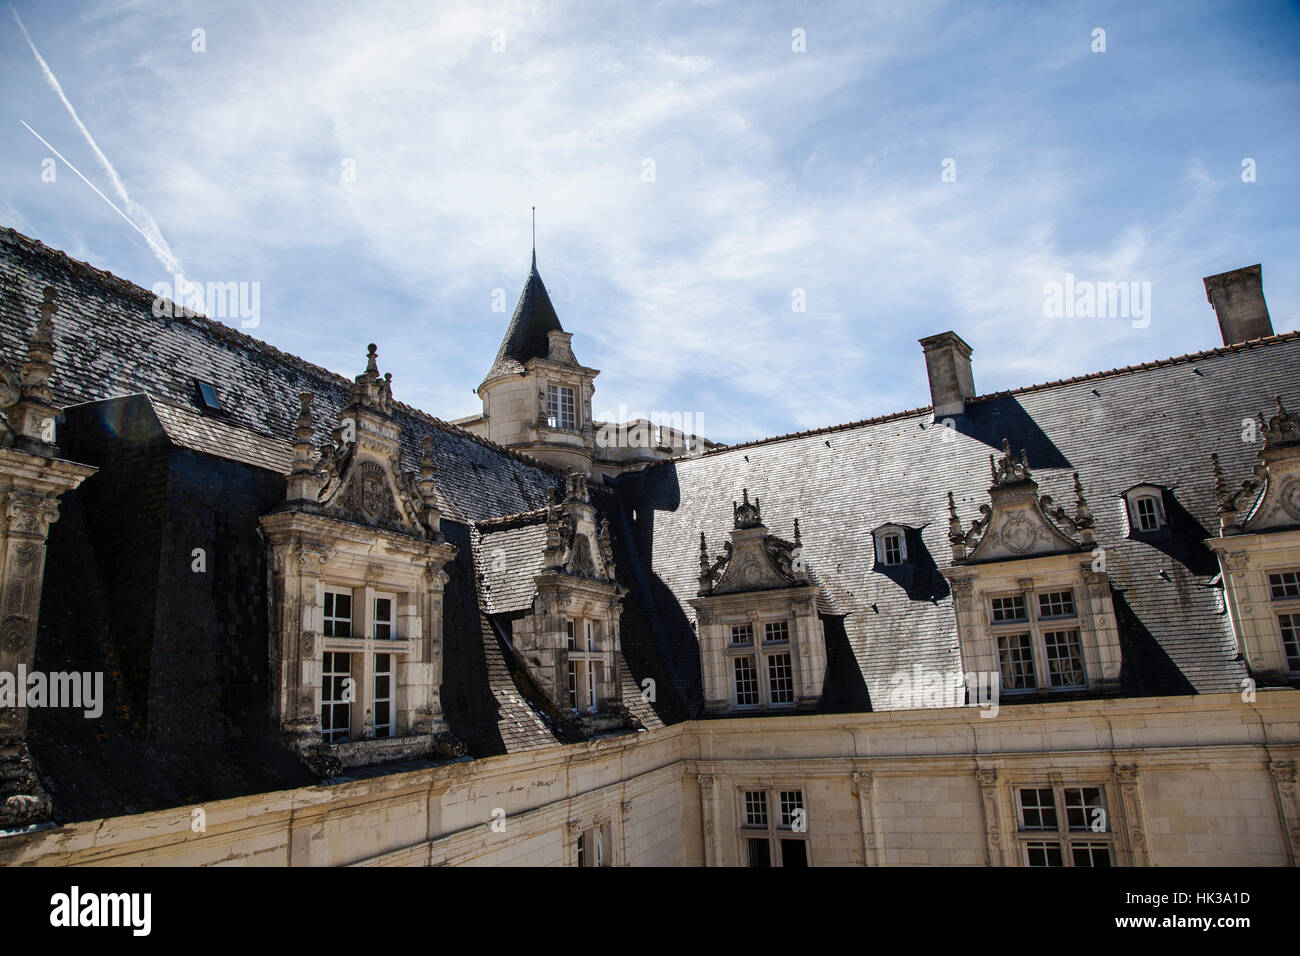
891,545
1146,508
208,397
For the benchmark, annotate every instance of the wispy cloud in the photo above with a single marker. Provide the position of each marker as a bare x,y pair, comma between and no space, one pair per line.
136,214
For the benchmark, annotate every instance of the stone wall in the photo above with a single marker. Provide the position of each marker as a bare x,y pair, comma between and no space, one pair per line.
1188,781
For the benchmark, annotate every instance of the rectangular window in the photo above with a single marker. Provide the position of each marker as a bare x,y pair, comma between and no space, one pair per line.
1007,609
1016,659
569,632
780,679
893,549
573,684
776,632
1084,809
560,407
1037,809
582,849
1090,854
384,710
1064,658
593,678
1056,604
382,617
336,696
792,813
338,612
794,853
742,634
1043,854
1076,816
592,848
746,677
1148,513
773,839
1284,585
1290,626
591,636
756,808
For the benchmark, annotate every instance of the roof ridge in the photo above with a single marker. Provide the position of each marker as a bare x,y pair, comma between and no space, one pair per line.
129,289
1263,342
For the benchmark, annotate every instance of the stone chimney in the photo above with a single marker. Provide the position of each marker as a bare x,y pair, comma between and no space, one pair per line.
1238,300
947,361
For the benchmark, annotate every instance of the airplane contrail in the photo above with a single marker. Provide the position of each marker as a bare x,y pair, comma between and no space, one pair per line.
152,234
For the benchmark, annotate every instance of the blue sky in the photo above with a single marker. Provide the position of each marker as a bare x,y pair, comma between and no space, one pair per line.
774,170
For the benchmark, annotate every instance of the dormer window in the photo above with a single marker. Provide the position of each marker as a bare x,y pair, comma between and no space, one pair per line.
1284,591
560,407
1146,508
891,545
1041,653
338,612
382,619
586,669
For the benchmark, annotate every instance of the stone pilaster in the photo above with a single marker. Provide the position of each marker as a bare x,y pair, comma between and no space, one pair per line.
1134,815
708,818
1288,801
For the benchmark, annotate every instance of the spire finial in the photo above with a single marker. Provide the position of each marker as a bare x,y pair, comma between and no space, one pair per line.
534,237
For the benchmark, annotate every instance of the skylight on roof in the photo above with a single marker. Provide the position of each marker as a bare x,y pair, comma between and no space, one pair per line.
208,397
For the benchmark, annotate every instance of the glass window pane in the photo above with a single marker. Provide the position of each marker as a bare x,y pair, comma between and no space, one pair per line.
794,853
1016,660
1064,659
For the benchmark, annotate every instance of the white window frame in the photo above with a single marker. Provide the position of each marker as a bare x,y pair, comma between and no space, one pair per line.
1284,600
364,648
334,693
592,848
329,611
1064,837
885,537
585,664
1142,493
763,656
1037,626
562,407
777,826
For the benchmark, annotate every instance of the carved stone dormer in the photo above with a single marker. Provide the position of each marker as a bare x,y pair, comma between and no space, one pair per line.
571,644
1259,554
358,556
762,645
1031,595
1018,522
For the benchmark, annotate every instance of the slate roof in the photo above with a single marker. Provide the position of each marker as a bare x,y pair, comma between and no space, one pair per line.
108,343
526,335
1155,423
508,554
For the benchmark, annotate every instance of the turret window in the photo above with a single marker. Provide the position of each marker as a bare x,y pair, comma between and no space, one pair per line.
560,407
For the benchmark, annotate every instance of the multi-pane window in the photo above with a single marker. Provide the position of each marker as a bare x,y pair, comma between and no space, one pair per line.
560,407
765,678
338,612
1056,604
336,696
1042,652
891,548
773,828
746,677
382,620
385,725
1076,819
1064,659
1284,589
361,651
780,679
585,668
1148,513
1016,660
1007,609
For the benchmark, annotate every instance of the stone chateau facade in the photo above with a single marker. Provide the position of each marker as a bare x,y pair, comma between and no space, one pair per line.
1054,626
